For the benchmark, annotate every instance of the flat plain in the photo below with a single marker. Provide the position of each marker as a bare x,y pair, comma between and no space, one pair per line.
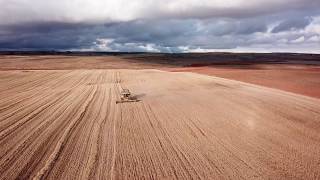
65,124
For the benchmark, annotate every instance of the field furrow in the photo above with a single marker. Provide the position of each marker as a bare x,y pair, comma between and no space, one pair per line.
67,125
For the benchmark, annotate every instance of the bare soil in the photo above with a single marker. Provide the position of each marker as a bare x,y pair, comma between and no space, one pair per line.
53,62
66,125
59,118
298,79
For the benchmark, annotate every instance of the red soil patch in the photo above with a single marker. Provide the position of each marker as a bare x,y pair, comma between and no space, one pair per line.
298,79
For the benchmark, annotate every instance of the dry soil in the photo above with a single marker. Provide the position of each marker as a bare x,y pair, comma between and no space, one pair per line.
66,125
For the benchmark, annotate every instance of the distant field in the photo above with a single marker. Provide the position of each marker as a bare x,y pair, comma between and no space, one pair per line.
66,125
51,62
297,73
300,79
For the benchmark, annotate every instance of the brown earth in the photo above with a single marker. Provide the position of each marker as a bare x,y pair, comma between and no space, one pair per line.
66,125
51,62
294,73
298,79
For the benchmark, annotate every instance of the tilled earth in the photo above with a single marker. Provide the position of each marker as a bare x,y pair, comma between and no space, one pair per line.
66,125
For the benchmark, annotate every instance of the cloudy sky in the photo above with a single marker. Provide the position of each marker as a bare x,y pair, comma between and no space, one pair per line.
161,25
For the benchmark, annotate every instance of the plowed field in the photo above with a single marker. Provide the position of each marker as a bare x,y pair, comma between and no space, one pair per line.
66,125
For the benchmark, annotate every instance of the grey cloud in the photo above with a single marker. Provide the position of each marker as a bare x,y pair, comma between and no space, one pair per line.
231,26
226,9
99,11
165,35
295,23
47,36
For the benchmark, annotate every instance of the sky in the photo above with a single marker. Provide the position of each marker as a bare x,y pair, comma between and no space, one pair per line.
169,26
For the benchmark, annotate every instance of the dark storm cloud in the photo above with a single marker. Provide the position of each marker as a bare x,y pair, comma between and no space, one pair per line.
189,29
45,36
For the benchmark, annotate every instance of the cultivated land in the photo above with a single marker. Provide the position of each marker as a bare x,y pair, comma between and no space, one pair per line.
65,124
300,79
297,73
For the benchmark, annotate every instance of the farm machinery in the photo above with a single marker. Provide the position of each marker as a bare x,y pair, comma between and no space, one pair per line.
126,97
